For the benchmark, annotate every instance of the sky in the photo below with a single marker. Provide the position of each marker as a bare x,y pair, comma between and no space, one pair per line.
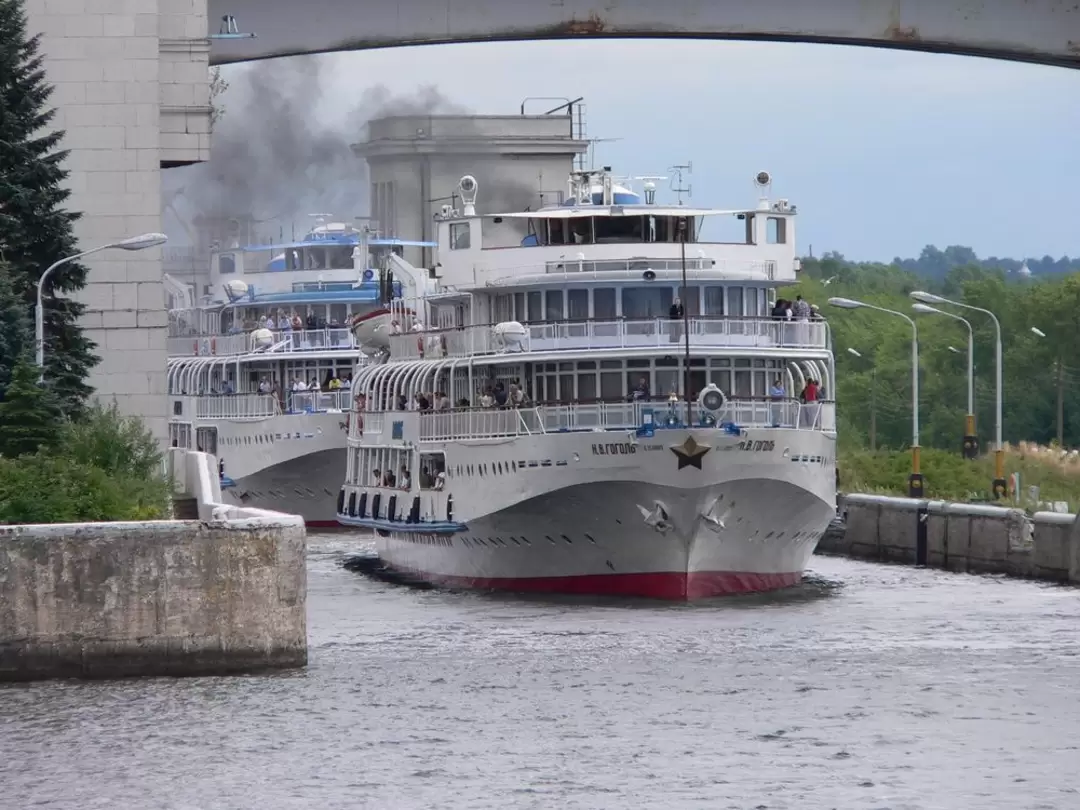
883,151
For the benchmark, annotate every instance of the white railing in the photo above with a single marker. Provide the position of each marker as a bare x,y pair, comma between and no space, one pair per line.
319,401
476,423
237,406
614,334
485,423
281,342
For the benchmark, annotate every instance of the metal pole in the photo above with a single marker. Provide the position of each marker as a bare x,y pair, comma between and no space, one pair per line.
39,320
915,481
39,308
999,450
686,324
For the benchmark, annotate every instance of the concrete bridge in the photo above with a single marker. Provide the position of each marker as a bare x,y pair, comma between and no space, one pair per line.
132,92
1046,31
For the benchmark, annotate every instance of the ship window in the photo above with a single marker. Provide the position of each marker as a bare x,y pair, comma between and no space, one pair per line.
226,264
519,306
611,385
586,386
735,301
577,304
667,381
611,230
776,232
604,303
536,307
691,300
554,310
646,302
753,307
460,236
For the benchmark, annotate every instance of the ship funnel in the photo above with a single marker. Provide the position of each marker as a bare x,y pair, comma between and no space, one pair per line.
468,187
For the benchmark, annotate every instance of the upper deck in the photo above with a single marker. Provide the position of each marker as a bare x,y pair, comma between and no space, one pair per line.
604,232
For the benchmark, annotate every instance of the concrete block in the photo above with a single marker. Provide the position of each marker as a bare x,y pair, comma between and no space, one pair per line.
135,47
150,319
75,70
157,598
118,319
146,25
116,25
65,7
151,296
1052,555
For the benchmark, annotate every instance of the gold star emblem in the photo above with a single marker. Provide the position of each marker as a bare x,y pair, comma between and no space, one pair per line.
690,453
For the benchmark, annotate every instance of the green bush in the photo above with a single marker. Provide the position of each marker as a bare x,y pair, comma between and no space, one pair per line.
949,476
104,467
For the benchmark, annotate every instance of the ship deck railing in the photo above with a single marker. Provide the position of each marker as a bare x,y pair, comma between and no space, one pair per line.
335,401
251,406
237,407
482,423
282,341
622,333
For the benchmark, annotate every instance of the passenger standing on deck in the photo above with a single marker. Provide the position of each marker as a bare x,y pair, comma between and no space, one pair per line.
777,395
675,314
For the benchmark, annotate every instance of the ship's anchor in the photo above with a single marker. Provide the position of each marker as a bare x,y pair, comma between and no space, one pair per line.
657,517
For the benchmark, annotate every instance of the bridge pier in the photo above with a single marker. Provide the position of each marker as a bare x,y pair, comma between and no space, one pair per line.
132,93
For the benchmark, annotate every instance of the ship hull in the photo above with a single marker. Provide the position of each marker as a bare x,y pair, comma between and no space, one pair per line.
306,486
625,538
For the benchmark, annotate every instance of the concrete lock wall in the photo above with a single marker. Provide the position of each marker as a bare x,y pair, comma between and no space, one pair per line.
974,538
219,595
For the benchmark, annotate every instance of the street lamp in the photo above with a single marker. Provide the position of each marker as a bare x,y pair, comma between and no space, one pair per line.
915,480
142,242
998,485
971,440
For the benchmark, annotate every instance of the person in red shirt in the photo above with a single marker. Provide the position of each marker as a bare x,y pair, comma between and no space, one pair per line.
810,392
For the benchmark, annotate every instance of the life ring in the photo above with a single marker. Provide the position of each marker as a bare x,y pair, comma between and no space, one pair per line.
213,345
420,346
195,348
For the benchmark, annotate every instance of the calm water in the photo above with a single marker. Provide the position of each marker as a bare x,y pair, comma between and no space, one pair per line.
868,687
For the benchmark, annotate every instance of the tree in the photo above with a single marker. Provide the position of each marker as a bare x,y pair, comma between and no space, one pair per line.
15,336
29,416
35,228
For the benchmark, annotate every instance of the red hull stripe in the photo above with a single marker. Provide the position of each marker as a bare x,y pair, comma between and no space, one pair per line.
670,585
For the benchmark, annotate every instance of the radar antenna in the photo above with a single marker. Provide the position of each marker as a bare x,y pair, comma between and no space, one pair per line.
677,181
649,182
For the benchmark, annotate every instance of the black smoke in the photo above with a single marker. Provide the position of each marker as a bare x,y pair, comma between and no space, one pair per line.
275,154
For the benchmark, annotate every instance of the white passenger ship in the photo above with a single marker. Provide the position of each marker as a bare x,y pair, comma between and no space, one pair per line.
260,372
538,427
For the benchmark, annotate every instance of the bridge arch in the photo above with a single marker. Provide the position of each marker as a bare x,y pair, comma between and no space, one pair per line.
1041,31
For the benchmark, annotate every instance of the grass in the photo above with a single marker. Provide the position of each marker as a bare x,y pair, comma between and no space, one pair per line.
948,476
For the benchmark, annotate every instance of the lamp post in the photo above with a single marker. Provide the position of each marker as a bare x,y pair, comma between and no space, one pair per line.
915,480
970,445
873,398
998,486
142,242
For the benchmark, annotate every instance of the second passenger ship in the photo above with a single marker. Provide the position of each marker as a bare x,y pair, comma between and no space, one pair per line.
590,398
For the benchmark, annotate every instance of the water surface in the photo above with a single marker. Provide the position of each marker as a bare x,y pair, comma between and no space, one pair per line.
868,687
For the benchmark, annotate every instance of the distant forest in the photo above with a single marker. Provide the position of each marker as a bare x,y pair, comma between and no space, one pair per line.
936,264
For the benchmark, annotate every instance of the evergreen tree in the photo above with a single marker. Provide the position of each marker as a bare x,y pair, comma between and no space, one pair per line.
35,228
29,416
15,335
